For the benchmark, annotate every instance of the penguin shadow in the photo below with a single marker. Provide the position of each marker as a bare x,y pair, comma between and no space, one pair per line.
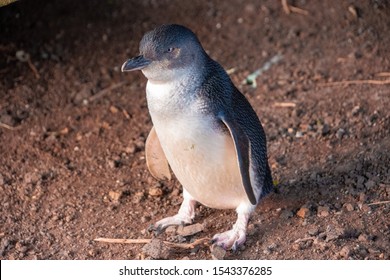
348,176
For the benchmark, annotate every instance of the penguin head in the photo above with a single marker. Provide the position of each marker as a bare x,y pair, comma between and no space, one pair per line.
166,53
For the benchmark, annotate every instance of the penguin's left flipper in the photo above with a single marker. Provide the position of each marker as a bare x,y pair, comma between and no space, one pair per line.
155,158
242,145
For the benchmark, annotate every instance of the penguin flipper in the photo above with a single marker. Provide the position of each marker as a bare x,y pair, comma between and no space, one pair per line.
242,146
155,158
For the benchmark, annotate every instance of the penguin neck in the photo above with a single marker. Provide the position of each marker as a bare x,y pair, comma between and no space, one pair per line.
174,96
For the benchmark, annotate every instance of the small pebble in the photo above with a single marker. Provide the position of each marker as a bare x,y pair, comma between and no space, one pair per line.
355,110
333,233
156,249
363,237
303,212
286,214
114,195
349,207
155,191
370,184
171,230
323,211
190,230
217,252
313,232
345,252
340,133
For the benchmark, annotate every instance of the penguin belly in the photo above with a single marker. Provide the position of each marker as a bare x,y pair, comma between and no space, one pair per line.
204,160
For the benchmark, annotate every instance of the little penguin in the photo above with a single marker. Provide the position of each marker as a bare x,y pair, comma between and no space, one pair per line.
204,129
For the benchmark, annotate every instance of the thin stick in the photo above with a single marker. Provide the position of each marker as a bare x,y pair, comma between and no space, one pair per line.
144,241
106,90
285,104
286,8
379,202
383,74
304,239
356,82
298,10
33,68
4,125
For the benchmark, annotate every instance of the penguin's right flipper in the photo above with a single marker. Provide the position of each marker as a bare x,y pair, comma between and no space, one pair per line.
242,145
155,158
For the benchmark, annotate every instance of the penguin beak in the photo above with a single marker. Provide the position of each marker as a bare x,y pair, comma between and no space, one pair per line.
136,63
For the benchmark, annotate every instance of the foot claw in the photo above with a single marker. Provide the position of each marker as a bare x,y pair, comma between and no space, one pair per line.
231,239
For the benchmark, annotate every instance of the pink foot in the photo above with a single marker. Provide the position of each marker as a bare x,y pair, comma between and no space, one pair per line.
234,238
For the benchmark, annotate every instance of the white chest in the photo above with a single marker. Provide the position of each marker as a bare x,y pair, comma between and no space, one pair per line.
202,157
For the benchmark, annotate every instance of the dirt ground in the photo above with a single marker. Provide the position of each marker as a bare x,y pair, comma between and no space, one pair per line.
73,127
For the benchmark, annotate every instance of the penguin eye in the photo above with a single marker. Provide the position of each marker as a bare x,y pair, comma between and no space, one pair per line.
171,49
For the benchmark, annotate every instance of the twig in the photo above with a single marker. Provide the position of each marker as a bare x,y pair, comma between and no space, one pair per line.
106,90
33,68
353,11
379,202
288,9
231,71
144,241
4,125
304,239
251,79
299,10
383,74
285,104
356,82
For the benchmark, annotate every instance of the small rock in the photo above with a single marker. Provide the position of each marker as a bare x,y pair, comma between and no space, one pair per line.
286,214
140,143
297,246
171,230
138,197
313,232
299,134
325,129
370,184
323,211
155,191
114,109
217,252
131,149
355,110
363,237
93,252
362,197
31,178
313,175
190,230
156,249
345,252
252,230
267,251
272,246
340,133
349,207
21,248
303,212
111,164
333,233
145,219
114,196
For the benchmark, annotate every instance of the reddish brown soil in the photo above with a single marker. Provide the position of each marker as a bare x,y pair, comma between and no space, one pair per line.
73,127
